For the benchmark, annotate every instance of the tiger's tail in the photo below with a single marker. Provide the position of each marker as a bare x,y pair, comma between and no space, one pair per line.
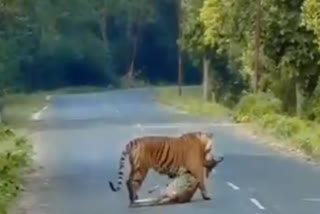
124,153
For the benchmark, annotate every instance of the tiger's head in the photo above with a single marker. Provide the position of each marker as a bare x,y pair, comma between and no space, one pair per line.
206,139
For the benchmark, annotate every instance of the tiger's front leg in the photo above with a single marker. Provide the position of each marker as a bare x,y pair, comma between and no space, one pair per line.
204,193
198,173
202,186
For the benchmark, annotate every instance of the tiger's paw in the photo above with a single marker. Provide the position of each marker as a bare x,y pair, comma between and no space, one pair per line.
206,196
133,198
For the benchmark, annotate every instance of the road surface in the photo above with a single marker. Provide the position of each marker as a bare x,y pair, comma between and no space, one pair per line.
78,140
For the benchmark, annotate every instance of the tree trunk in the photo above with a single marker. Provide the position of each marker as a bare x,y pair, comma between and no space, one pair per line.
299,98
206,81
257,48
133,57
180,75
103,28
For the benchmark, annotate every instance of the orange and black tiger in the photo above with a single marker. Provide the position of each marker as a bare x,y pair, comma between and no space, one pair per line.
165,155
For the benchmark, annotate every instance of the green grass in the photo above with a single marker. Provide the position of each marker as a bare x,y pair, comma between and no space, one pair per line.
15,153
264,112
190,101
291,131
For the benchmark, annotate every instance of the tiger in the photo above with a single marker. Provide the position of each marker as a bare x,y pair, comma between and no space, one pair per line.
181,189
166,155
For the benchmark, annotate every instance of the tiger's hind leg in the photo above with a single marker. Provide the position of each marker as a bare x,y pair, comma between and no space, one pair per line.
134,182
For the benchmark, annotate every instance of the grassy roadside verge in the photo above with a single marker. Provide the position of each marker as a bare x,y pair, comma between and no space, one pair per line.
191,101
262,112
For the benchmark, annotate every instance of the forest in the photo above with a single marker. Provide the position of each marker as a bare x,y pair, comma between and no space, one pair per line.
236,45
53,43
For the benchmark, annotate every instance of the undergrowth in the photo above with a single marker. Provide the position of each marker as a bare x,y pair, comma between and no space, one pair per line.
265,111
14,157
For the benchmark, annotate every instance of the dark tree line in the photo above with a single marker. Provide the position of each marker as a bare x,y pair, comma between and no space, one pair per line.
53,43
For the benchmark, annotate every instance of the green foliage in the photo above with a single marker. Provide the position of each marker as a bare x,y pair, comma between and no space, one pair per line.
311,17
191,36
220,30
227,83
265,111
14,157
290,48
282,126
308,140
302,134
253,106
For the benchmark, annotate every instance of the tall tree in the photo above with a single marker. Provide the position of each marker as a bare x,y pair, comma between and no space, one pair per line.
230,35
257,69
192,41
179,57
139,13
290,46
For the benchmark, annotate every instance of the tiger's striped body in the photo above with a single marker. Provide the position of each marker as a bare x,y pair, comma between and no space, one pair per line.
166,155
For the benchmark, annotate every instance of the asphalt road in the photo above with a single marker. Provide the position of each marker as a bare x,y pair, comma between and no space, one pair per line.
78,140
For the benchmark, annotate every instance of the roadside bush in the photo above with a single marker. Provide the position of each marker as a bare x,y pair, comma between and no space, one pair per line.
289,126
268,121
308,140
253,106
302,134
265,110
282,126
14,157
